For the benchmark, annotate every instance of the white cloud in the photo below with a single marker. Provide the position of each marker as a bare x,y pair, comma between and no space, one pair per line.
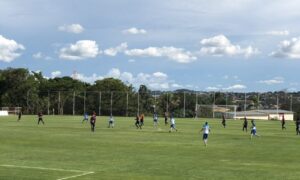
55,74
288,49
177,54
221,46
72,28
80,50
176,86
114,51
90,79
278,33
236,87
9,49
275,80
160,75
40,55
155,81
134,30
131,60
210,88
37,55
226,77
114,73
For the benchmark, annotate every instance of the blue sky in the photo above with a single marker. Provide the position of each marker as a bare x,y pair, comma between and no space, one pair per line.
229,45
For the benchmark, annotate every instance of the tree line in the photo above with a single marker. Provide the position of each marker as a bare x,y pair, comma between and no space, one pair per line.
30,90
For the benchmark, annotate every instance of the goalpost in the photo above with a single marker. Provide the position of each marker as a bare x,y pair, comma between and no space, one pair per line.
216,111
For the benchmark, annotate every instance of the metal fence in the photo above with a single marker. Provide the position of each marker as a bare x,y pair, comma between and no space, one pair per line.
182,104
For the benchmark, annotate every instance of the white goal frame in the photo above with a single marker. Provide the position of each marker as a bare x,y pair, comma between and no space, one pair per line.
228,110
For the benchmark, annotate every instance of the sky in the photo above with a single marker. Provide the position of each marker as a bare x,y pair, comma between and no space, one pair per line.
216,45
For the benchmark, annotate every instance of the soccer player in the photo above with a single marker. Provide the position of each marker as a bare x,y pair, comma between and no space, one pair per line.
252,123
298,126
155,119
142,120
283,123
19,115
206,131
166,118
172,126
85,117
111,121
93,122
137,122
40,118
253,131
223,121
245,124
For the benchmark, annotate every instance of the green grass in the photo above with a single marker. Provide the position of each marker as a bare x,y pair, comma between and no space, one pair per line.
127,153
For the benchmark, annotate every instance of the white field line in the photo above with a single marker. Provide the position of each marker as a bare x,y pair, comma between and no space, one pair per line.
82,173
69,177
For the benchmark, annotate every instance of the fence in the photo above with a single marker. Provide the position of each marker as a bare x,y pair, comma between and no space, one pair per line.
182,103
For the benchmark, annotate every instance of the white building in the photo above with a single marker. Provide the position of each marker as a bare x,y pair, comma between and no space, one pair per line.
262,114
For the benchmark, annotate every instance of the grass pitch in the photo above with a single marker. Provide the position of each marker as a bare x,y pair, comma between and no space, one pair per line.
64,148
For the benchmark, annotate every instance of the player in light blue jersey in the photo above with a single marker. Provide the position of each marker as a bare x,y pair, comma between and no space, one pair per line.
155,119
85,117
206,131
111,122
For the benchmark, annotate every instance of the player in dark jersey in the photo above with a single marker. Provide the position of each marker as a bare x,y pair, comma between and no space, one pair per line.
19,115
283,123
137,122
93,122
40,118
223,121
166,118
298,126
245,124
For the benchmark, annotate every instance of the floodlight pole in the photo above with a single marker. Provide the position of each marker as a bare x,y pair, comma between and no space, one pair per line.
59,103
184,104
167,102
27,101
196,109
138,110
245,104
48,103
277,102
291,105
258,101
127,104
99,108
73,103
84,97
111,101
154,109
214,104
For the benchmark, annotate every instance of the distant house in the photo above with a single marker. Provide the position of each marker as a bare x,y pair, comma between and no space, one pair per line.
269,114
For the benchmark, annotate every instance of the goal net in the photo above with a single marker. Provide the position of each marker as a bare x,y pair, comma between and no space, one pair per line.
216,111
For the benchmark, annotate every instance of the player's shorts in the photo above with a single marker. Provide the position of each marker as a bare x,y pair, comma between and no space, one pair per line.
205,136
110,122
172,125
155,120
253,131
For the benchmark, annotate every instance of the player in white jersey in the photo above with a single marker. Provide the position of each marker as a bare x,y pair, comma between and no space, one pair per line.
173,126
206,131
155,119
253,132
111,122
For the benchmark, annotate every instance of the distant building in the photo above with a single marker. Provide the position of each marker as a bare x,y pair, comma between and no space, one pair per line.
269,114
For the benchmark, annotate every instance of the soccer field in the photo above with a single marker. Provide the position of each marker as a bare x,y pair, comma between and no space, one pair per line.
64,148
